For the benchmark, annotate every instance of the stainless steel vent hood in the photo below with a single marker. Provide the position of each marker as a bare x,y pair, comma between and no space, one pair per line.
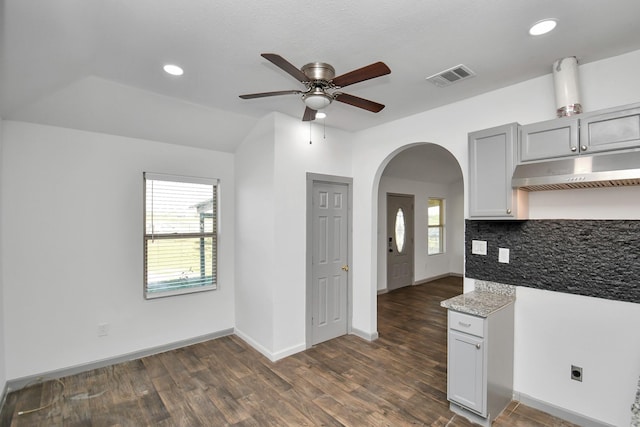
594,171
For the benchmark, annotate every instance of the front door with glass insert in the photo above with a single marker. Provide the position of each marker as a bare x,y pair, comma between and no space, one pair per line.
399,241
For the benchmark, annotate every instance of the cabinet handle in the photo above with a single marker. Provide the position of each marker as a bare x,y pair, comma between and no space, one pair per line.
478,346
508,211
583,148
574,148
466,325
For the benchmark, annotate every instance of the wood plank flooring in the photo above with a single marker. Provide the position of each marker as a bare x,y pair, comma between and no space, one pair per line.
398,380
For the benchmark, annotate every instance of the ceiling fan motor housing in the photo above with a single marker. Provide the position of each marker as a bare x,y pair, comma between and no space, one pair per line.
319,71
319,74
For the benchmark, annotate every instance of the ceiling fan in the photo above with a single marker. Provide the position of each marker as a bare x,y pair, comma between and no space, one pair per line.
321,85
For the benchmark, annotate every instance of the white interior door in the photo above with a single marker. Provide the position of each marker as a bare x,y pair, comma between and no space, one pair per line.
330,264
399,241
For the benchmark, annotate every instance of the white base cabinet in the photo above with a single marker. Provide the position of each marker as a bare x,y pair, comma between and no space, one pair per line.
480,364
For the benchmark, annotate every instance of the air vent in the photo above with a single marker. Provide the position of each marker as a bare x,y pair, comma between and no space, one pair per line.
452,75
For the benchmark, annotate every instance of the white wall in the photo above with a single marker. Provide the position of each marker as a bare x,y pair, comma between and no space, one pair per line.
587,203
271,168
72,245
555,330
3,374
425,266
455,233
328,154
582,331
255,234
608,399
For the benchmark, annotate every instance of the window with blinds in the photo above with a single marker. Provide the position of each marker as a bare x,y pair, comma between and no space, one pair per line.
180,235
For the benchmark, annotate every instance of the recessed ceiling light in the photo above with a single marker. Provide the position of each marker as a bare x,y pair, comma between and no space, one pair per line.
542,27
174,70
320,115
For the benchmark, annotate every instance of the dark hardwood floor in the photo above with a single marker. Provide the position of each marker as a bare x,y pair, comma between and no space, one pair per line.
398,380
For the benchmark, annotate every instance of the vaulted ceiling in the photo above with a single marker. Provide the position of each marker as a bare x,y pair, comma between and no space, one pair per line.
97,65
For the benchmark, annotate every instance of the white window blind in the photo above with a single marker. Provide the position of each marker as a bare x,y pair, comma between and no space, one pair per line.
180,236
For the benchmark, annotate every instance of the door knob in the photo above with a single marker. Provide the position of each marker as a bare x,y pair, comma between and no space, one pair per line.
345,267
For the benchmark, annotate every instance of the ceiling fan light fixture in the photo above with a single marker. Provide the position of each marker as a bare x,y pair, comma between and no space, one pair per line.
321,115
317,99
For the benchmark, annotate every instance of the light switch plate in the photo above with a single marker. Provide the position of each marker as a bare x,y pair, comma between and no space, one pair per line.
503,255
479,247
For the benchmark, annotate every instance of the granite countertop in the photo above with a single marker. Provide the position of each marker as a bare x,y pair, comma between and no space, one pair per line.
487,298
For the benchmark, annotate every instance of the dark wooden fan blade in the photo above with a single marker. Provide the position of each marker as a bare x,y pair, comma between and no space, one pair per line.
286,66
265,94
361,74
365,104
309,115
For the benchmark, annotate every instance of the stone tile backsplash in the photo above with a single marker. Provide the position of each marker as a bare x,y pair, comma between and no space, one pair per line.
598,258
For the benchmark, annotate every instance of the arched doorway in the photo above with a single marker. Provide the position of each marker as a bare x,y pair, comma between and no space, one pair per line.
432,176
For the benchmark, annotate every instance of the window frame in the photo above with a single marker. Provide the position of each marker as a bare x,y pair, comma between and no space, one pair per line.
440,226
214,235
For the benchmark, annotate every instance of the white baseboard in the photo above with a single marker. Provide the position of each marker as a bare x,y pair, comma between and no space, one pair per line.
3,399
272,356
18,383
288,352
556,411
433,278
255,344
364,335
423,281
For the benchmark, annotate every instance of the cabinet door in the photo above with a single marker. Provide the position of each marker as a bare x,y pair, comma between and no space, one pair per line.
548,140
491,163
615,130
465,375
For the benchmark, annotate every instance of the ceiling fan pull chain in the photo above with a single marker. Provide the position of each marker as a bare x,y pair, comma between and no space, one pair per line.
309,132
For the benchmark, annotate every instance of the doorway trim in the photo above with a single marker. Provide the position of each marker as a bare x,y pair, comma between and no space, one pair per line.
333,179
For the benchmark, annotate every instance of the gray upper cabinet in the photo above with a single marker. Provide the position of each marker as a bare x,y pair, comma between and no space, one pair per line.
494,153
605,130
492,159
611,130
550,139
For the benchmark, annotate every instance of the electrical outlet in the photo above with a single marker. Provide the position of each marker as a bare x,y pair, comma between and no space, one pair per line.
576,373
103,329
503,255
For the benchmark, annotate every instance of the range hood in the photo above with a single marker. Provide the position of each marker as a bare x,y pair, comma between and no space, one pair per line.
592,171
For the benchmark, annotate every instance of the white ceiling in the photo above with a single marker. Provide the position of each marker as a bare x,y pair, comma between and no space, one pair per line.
97,65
